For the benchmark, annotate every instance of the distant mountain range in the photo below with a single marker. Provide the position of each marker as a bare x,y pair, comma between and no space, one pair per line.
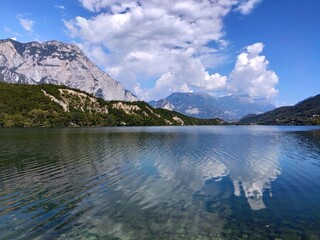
47,105
306,112
57,63
205,106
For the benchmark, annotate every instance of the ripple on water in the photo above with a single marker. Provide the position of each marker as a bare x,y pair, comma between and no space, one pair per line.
177,183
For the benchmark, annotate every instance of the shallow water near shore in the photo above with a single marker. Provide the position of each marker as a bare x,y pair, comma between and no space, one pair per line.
208,182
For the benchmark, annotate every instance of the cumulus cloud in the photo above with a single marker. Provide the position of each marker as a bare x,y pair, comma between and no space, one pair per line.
96,5
26,23
156,47
251,74
246,6
190,76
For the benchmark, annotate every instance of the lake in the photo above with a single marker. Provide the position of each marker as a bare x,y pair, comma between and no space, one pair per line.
210,182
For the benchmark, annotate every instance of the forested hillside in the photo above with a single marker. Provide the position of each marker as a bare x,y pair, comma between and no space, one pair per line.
306,112
49,105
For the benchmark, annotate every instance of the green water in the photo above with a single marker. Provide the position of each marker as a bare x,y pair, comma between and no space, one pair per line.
222,182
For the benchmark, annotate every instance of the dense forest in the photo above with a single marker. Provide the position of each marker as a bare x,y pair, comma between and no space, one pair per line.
49,105
306,112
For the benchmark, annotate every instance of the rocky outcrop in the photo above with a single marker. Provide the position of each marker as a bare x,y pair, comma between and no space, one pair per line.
76,100
57,63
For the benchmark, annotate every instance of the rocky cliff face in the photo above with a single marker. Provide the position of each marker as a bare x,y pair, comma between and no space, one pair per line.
57,63
205,106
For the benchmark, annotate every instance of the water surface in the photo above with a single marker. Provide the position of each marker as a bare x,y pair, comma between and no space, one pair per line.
160,183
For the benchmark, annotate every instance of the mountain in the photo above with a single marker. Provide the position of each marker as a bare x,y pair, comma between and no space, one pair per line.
306,112
57,63
47,105
205,106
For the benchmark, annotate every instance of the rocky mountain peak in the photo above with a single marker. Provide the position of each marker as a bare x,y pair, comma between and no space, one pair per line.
57,63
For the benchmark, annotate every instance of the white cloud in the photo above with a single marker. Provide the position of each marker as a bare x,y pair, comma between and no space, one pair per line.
60,7
26,23
188,76
96,5
251,74
156,47
246,6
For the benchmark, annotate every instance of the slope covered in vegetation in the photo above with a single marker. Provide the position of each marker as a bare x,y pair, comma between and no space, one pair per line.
306,112
49,105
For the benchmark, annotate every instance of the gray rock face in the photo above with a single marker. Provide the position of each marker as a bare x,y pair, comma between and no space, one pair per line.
205,106
57,63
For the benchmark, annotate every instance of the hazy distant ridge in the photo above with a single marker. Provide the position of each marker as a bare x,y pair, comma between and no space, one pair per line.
204,106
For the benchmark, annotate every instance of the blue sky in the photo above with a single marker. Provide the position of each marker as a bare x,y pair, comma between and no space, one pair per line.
264,48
